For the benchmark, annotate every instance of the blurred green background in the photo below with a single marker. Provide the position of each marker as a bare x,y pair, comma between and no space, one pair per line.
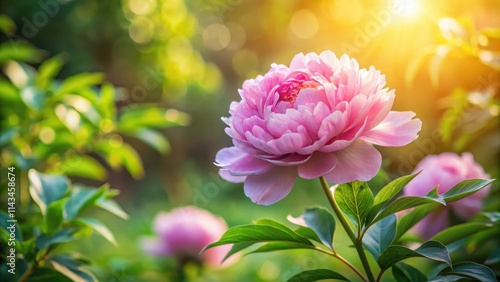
192,56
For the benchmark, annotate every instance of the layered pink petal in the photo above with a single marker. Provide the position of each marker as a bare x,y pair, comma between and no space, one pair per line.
270,187
319,164
226,175
359,161
227,156
290,160
239,163
397,129
315,117
345,139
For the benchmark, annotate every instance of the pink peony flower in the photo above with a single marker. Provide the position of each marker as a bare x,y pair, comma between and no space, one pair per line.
184,232
318,117
446,170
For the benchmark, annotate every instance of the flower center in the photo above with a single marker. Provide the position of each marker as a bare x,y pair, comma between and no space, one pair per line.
289,90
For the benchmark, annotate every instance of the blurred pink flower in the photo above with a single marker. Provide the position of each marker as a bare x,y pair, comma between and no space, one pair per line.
318,117
446,170
184,232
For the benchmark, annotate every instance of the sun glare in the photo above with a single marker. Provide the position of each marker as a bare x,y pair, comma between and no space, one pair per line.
409,8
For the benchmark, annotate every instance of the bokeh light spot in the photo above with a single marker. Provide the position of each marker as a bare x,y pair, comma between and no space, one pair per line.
142,7
80,104
238,36
216,36
304,24
178,48
269,271
47,135
141,30
69,116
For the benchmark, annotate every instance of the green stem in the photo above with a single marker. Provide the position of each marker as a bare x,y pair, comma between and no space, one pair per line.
33,266
343,260
357,243
350,266
380,276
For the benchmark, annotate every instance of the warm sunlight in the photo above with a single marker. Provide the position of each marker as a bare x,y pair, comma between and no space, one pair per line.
409,8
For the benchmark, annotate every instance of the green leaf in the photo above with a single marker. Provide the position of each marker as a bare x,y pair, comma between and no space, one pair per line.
84,107
4,223
83,166
83,197
257,234
448,278
492,216
65,235
459,191
152,138
482,239
10,95
7,25
464,189
316,275
322,222
131,161
54,217
44,274
33,97
75,83
112,207
457,232
98,227
413,217
4,236
404,203
278,246
434,194
380,235
26,247
270,222
148,115
16,50
236,248
106,105
355,199
470,270
46,189
406,273
116,153
387,193
430,249
48,71
7,135
307,233
71,268
494,257
453,115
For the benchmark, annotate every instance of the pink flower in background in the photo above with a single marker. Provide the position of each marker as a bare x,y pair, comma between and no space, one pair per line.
184,232
446,170
318,117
